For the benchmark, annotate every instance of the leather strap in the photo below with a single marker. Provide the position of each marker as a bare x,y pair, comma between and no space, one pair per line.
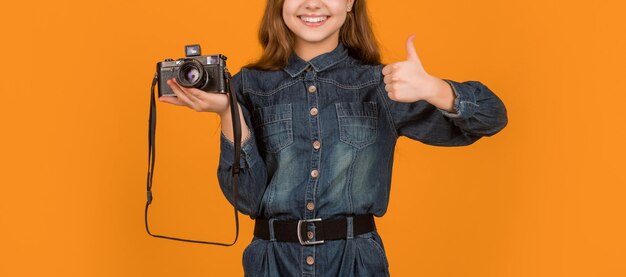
326,229
234,170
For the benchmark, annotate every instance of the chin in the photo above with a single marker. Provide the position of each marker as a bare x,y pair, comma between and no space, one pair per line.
315,39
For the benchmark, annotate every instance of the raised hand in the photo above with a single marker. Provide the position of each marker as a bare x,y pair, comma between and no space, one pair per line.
407,81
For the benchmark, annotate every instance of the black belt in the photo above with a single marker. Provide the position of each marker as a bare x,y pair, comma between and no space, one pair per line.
327,229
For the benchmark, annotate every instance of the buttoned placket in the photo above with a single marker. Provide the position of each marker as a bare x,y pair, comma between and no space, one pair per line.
311,90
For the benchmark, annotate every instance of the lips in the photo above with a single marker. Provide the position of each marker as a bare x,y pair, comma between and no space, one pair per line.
313,20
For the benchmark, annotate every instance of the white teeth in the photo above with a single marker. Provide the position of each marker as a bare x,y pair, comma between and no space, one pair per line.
313,19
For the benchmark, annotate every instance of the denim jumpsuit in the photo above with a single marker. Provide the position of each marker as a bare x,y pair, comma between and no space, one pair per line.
321,145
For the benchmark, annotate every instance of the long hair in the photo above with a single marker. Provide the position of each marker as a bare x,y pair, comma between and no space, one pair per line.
278,41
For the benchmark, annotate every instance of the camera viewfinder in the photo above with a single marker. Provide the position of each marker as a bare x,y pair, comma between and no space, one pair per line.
192,50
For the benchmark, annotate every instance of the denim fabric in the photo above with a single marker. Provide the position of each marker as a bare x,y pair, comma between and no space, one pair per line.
357,126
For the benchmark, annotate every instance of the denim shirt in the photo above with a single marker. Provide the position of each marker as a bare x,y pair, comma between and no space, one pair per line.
321,145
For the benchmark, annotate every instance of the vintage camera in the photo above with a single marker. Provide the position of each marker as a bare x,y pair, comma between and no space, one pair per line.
206,73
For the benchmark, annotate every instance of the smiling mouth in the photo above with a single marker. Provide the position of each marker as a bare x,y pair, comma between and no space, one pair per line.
313,20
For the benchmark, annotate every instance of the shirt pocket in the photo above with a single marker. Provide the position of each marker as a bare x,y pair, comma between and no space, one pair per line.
274,124
358,123
373,258
252,257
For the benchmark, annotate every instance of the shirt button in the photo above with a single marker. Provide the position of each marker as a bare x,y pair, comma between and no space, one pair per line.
317,144
310,206
310,260
312,89
315,173
314,111
309,235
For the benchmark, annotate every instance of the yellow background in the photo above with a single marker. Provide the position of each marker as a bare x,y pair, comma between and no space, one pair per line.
545,197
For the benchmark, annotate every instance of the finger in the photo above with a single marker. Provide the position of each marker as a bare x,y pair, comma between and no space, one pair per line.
187,91
387,69
195,93
179,93
389,88
390,79
171,100
391,68
411,53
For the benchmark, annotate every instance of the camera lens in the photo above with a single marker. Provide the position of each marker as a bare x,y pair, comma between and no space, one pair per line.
191,74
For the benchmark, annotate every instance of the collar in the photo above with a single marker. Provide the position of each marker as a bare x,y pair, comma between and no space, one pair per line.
296,65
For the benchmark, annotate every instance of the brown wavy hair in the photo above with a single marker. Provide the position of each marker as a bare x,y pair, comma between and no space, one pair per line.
278,41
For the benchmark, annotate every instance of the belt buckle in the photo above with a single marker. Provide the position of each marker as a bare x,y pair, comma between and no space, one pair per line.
307,242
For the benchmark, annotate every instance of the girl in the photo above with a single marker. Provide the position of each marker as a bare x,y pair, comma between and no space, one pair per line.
322,117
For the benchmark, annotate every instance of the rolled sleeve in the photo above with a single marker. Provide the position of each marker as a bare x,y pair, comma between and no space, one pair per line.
464,101
249,151
253,173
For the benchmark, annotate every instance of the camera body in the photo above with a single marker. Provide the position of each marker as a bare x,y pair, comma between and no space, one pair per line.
207,73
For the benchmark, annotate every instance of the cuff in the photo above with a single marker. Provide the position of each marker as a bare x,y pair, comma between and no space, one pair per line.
464,102
249,151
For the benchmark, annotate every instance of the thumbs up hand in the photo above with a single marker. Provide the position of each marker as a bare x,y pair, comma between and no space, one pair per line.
407,81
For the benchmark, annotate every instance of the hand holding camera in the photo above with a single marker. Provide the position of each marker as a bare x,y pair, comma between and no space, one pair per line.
198,82
196,99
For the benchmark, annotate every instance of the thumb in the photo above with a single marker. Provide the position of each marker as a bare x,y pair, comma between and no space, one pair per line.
411,53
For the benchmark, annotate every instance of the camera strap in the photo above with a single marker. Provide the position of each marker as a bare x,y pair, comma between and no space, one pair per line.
235,168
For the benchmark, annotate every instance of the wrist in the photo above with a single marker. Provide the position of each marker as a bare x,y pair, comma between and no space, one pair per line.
443,97
225,113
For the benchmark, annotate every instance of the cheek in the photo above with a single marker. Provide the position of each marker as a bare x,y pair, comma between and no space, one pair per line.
338,7
337,22
289,22
289,8
289,12
341,19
